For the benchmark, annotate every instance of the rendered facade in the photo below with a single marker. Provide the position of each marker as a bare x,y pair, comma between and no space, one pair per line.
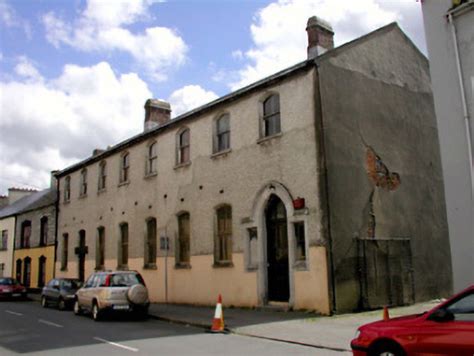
298,189
12,204
450,40
35,230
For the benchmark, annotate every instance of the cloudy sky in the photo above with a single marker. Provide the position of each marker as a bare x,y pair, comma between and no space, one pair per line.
74,75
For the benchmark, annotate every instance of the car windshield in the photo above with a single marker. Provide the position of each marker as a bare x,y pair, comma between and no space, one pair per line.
7,281
71,284
125,280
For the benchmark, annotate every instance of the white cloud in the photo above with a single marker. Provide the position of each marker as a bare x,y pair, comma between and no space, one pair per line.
102,27
51,124
279,36
26,68
189,97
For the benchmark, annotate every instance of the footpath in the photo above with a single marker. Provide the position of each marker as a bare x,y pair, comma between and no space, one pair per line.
325,332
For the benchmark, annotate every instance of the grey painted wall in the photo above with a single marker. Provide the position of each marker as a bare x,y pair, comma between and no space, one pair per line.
377,94
457,169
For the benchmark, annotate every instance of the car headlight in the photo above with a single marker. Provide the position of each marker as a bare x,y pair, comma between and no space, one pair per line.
357,334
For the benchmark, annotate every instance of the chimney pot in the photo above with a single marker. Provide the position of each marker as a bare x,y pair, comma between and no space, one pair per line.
157,113
320,36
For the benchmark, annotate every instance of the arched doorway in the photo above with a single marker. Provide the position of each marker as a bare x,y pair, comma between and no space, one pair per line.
27,272
41,271
278,275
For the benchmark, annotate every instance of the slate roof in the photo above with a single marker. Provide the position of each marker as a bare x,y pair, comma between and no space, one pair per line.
34,201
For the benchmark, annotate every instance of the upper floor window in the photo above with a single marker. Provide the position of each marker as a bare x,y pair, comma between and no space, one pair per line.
151,159
83,183
102,175
67,189
43,231
124,167
184,239
222,134
223,242
150,243
183,146
25,234
4,242
271,115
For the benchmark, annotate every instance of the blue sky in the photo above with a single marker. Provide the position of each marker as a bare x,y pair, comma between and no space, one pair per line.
74,75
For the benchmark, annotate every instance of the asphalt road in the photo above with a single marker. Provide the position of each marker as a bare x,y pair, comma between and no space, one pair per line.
25,327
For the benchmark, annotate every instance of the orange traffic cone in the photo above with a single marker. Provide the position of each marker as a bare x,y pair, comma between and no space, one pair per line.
386,316
218,321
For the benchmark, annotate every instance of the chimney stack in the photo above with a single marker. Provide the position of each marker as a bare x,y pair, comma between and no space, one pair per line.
53,180
157,113
320,37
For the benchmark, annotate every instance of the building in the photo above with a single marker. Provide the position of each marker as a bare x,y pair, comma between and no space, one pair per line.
11,204
318,187
450,40
34,242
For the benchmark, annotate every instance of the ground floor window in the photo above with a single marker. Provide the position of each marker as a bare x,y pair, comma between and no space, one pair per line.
300,241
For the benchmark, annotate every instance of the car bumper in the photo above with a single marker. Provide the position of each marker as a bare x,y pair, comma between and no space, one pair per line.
125,308
13,295
358,350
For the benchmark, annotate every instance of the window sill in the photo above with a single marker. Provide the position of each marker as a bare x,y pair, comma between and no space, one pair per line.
252,268
122,268
222,153
65,202
182,265
100,191
99,268
83,196
150,266
223,264
3,248
125,182
150,175
182,165
63,269
300,266
268,138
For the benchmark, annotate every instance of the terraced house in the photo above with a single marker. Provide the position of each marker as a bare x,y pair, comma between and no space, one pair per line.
319,187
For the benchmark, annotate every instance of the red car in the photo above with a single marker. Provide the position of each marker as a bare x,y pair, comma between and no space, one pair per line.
11,288
447,329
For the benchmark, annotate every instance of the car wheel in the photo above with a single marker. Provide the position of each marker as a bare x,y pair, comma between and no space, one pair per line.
61,304
386,349
77,308
44,302
96,313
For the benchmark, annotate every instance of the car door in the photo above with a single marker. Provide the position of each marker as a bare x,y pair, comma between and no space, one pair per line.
452,336
84,294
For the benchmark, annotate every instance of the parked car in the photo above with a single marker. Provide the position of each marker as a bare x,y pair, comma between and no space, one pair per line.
11,288
447,329
61,292
119,291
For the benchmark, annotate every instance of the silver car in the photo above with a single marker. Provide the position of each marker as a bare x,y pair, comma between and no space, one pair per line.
119,291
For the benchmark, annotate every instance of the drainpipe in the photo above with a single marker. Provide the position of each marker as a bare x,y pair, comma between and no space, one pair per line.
56,229
463,100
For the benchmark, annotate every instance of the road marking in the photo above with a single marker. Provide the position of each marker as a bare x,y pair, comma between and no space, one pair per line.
13,313
116,344
49,323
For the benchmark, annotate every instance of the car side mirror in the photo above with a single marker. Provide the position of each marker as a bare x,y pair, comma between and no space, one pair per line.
441,315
